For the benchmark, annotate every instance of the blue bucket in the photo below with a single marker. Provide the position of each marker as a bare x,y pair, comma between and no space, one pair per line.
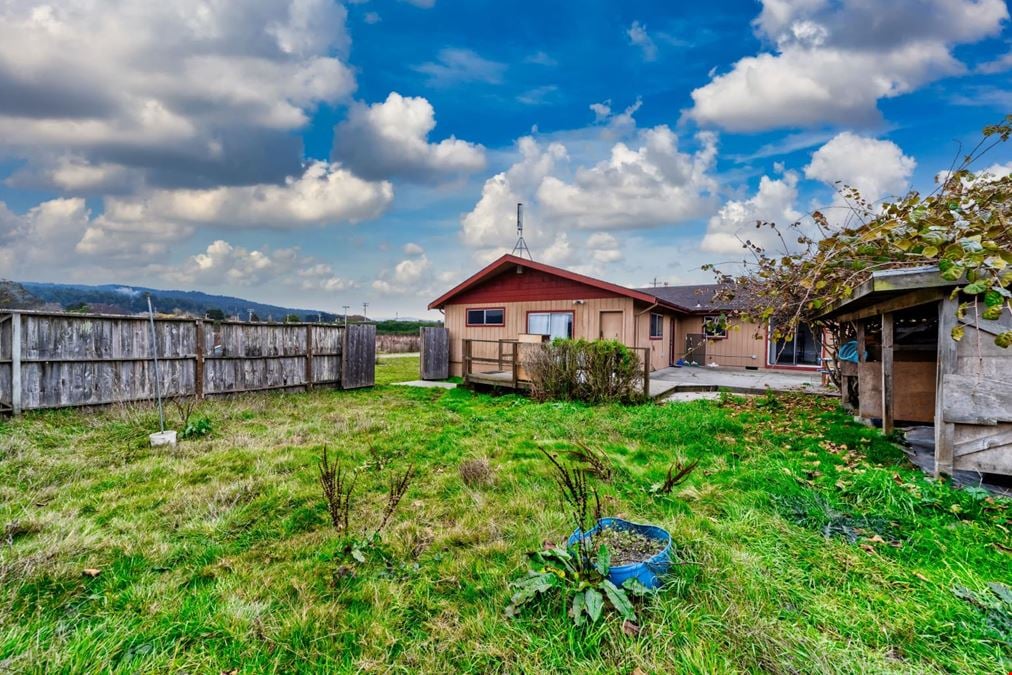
648,572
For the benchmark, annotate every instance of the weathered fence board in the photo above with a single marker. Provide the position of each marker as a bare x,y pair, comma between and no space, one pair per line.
52,360
358,356
435,353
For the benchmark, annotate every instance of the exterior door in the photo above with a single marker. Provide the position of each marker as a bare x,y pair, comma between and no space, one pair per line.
612,326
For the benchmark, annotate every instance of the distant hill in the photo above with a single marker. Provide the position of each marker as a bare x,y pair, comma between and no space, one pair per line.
15,296
122,299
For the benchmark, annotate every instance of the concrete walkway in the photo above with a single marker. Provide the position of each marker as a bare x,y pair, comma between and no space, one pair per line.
736,380
427,384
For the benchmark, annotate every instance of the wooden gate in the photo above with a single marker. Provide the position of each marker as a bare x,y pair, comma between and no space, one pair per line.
358,357
695,348
435,357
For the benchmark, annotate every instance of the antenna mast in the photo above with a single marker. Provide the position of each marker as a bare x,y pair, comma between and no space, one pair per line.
520,249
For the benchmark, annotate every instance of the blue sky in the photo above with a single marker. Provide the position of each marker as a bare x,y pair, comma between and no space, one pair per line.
322,154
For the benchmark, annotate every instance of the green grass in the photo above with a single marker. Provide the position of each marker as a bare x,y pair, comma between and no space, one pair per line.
812,545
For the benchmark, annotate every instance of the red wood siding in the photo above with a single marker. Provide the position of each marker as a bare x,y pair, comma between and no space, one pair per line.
531,285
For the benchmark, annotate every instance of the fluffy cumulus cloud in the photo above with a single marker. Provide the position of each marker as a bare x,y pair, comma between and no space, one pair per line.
223,264
877,168
832,60
140,227
391,139
580,189
414,275
735,222
651,184
178,94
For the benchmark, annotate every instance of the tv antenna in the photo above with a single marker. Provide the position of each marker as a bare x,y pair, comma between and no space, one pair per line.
520,249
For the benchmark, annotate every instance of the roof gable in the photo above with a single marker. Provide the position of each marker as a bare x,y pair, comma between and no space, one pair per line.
500,282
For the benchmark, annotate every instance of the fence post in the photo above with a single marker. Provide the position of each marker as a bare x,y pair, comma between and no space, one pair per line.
516,364
309,357
198,367
16,362
646,374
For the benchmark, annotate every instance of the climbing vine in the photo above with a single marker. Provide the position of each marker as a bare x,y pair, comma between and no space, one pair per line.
962,228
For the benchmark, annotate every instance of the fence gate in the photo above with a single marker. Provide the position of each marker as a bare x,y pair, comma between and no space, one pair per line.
358,357
695,348
435,357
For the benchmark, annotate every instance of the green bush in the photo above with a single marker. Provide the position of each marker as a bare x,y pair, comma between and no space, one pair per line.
598,371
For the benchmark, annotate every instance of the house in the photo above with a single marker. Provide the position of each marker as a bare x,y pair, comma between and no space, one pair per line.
708,332
515,300
908,369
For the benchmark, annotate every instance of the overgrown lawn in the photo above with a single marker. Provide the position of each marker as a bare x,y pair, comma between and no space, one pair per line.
809,542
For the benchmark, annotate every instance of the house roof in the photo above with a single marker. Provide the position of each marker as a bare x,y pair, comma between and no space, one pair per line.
508,261
696,298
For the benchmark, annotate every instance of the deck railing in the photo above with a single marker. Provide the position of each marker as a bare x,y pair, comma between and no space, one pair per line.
505,355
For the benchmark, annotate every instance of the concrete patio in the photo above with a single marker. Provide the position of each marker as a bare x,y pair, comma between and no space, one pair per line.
668,382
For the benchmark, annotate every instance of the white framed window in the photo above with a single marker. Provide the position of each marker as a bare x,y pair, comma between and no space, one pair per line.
552,324
656,326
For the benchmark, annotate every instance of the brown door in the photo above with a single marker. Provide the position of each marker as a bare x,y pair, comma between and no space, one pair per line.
612,326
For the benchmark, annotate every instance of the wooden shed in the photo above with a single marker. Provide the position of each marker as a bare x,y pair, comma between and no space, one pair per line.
910,370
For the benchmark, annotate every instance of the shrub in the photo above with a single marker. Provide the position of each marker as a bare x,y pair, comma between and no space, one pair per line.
197,427
598,371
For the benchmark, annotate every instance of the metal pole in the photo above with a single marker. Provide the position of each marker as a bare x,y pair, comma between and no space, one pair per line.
154,354
346,308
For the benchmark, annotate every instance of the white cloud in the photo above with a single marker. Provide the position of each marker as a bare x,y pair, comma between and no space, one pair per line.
833,61
391,139
458,66
653,184
223,264
138,229
875,167
180,93
638,36
488,225
734,223
411,276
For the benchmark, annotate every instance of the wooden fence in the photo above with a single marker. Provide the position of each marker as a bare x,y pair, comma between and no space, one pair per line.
54,360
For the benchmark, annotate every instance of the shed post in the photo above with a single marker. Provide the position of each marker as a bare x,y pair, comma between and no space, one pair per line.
16,363
944,432
198,368
887,373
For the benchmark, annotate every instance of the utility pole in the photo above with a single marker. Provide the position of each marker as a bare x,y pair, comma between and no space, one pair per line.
365,312
346,308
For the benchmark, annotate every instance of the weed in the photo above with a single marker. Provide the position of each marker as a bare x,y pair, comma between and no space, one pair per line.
196,428
475,472
593,461
338,487
678,473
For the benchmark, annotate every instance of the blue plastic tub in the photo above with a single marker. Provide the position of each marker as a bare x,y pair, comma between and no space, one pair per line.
648,572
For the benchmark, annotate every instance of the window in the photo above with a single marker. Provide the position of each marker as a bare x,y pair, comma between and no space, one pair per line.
495,316
804,350
656,326
715,327
552,324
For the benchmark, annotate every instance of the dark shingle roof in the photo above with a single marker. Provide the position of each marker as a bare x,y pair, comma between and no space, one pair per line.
696,298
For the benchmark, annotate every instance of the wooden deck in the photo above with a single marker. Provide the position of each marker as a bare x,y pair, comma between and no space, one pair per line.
496,363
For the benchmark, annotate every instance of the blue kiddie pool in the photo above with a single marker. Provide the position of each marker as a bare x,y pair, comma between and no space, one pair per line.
648,572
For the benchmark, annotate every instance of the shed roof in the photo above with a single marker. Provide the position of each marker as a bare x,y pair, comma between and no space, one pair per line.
511,261
884,285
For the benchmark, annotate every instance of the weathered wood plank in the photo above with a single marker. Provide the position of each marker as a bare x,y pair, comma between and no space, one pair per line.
17,399
969,400
887,373
946,359
435,353
358,365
